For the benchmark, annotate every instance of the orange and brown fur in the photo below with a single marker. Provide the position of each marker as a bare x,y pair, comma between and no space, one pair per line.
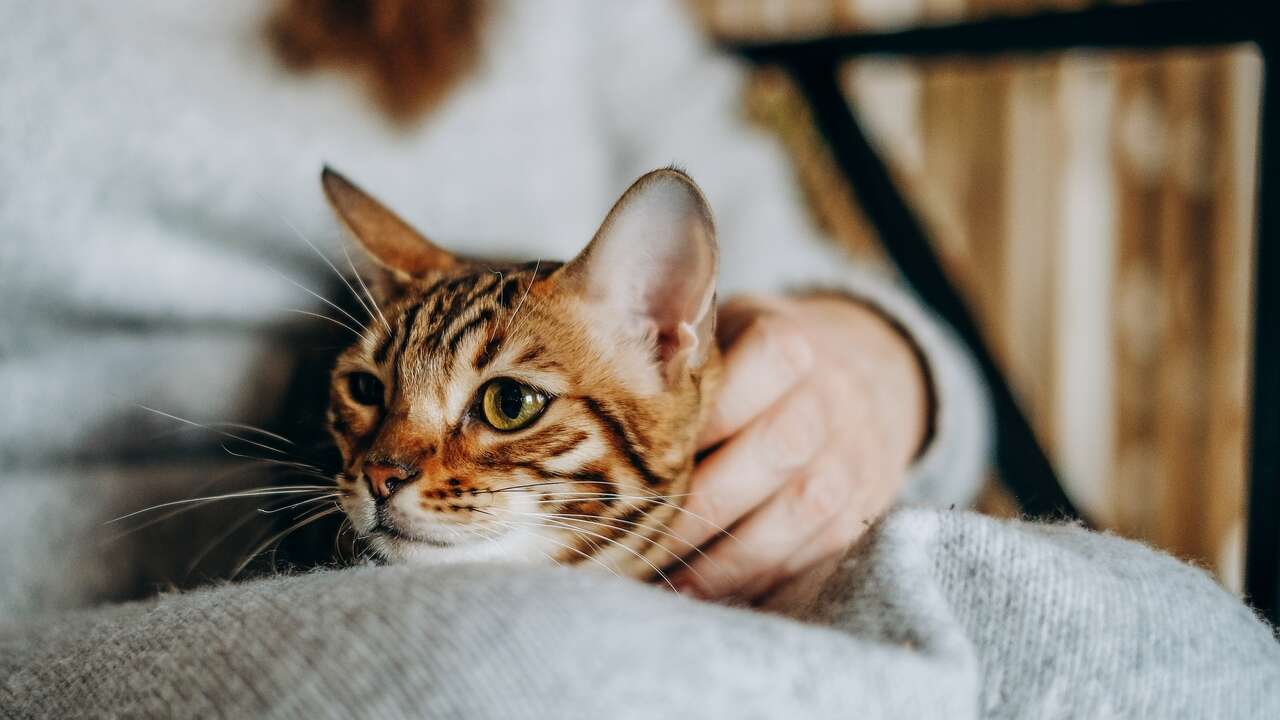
614,352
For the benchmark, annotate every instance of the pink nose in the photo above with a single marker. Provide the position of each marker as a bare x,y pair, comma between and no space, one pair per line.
385,478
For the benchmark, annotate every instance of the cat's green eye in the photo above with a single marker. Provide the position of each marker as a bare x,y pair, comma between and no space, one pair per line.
510,405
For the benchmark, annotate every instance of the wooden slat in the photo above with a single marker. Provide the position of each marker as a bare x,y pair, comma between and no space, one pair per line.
1172,257
1236,79
1140,317
1183,235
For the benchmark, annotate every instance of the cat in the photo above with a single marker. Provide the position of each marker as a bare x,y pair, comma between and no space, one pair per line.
538,412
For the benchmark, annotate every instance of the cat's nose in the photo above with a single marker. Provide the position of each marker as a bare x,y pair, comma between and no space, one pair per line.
385,478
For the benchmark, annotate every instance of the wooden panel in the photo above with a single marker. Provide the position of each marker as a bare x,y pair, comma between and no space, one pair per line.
1236,79
1140,316
1096,211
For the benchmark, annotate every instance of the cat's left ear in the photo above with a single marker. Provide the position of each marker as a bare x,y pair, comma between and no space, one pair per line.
389,240
652,265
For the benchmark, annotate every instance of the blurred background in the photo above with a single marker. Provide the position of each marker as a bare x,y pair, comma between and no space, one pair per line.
1096,211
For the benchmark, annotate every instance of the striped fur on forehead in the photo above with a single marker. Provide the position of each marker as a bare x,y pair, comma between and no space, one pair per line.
438,318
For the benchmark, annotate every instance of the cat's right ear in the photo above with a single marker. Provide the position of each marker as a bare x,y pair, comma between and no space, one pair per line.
388,239
651,268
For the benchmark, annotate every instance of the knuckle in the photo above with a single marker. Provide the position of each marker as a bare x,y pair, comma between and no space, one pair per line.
704,510
785,344
798,431
817,497
839,535
839,392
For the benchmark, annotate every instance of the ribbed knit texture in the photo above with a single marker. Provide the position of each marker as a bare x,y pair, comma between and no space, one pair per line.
939,614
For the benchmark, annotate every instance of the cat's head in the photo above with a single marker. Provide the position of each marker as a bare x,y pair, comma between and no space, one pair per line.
535,411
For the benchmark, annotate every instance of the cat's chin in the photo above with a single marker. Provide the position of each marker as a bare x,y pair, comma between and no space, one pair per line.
447,548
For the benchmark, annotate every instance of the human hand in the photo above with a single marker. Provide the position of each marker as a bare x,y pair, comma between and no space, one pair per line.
822,407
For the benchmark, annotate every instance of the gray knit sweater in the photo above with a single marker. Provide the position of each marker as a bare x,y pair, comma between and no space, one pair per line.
156,159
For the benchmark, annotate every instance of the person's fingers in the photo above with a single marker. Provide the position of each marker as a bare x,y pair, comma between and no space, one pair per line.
835,538
749,468
737,313
753,559
766,360
867,499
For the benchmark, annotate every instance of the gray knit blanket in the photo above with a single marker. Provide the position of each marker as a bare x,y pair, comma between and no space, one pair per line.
937,614
155,161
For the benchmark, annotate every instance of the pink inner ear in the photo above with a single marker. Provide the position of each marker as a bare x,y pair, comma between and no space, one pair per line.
653,262
679,296
668,345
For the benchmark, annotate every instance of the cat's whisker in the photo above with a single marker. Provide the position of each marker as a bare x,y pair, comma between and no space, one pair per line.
300,503
570,481
337,537
222,536
565,498
517,525
180,429
195,505
149,523
659,499
664,530
275,550
332,267
231,530
608,523
609,495
213,479
551,498
492,536
527,485
297,464
281,535
322,316
365,288
321,298
254,429
546,521
223,433
598,520
525,296
260,492
308,474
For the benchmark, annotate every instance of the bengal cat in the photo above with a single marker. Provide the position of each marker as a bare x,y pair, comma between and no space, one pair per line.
536,412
